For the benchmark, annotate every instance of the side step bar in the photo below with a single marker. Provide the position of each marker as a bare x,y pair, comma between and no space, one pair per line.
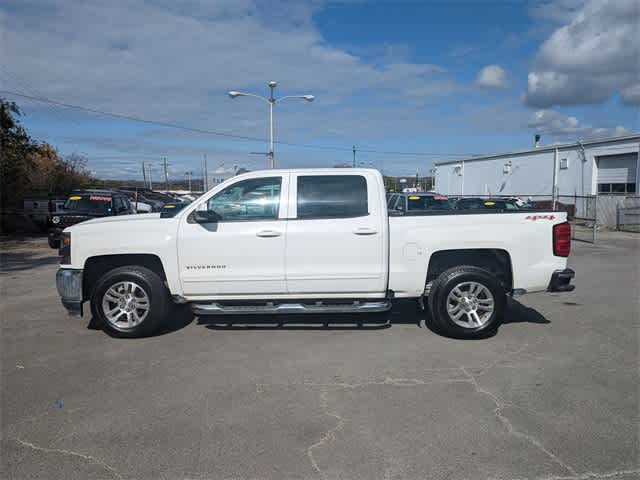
273,308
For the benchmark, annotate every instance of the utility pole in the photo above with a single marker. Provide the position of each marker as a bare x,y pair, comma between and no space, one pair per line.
149,174
144,174
205,180
166,174
189,174
354,156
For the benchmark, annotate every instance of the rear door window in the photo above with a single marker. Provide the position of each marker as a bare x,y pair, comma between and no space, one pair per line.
332,196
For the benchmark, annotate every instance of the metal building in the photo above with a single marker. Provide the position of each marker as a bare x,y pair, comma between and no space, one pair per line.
606,166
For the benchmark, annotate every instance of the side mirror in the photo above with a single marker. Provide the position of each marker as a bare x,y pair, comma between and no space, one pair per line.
206,216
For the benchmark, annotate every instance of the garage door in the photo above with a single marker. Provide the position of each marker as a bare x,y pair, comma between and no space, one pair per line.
617,173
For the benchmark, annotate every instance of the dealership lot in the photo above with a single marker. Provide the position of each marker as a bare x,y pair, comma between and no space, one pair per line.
553,395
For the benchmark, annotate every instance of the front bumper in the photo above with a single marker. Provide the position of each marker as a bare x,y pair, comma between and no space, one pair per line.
561,281
69,285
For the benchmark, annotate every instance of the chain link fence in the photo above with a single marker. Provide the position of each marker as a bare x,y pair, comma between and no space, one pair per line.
628,215
582,213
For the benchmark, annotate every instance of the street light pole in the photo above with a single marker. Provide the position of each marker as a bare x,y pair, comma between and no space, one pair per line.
271,101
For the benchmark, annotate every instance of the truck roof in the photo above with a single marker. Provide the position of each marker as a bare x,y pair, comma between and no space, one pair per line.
312,170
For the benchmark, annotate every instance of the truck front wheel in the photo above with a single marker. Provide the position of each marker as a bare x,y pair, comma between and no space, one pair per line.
467,302
130,301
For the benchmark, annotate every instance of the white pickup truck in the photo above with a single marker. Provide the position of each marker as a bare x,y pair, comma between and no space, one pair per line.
309,241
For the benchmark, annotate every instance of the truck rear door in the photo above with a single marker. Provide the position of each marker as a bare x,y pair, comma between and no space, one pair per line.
336,234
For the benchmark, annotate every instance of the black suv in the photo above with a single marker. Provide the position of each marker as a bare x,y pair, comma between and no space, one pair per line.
84,205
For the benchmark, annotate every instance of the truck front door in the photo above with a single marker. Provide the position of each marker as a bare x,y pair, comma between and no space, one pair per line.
240,251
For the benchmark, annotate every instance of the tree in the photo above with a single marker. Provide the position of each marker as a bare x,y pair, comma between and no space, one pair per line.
15,147
29,166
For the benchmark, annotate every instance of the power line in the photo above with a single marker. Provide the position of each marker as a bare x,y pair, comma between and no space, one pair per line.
222,134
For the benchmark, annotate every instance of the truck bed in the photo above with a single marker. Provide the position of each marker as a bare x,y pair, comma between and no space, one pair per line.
524,236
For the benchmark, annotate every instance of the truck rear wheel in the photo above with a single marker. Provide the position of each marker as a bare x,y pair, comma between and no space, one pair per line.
467,302
130,301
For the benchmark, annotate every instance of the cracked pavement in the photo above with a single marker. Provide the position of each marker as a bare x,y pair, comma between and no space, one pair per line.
553,396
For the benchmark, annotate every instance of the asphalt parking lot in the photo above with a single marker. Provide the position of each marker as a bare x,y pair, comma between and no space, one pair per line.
554,395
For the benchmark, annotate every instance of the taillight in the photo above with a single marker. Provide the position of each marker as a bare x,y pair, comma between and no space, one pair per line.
562,239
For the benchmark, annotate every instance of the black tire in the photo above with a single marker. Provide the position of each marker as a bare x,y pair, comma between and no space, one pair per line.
438,301
153,286
53,243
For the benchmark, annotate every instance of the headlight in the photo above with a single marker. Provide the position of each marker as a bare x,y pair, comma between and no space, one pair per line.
55,220
65,248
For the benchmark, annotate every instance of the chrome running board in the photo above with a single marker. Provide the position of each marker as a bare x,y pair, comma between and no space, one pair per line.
215,308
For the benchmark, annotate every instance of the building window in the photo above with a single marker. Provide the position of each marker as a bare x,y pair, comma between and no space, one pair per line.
564,163
617,188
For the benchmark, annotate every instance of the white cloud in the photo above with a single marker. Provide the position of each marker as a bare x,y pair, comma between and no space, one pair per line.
492,76
589,58
558,124
558,11
631,94
174,62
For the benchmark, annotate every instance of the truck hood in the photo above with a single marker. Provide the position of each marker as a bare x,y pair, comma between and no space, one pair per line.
136,217
117,222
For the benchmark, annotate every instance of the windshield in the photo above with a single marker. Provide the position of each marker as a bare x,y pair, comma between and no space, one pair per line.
89,203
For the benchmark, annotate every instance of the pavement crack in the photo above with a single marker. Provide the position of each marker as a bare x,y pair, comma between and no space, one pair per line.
500,405
587,475
502,358
398,382
88,458
329,436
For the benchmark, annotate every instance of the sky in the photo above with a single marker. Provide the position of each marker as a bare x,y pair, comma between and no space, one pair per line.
408,83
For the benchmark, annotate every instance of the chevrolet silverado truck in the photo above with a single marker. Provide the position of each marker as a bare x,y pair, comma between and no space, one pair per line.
310,241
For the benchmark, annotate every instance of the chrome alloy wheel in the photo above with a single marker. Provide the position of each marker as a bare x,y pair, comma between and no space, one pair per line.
125,304
470,304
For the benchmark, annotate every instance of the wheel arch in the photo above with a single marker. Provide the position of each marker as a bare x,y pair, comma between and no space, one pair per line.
495,260
96,266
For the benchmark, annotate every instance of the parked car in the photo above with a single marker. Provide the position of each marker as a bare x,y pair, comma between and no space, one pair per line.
170,209
409,203
84,205
310,241
505,204
139,203
148,196
39,209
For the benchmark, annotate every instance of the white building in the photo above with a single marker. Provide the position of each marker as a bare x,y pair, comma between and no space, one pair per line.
606,167
219,175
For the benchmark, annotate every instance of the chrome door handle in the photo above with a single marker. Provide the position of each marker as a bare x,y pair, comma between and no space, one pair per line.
268,233
365,231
